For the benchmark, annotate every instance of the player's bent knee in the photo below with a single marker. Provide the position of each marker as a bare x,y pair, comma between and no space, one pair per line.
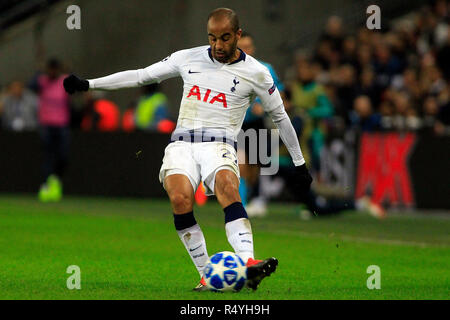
181,202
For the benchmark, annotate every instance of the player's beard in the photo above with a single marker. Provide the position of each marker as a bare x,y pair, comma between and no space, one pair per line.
227,55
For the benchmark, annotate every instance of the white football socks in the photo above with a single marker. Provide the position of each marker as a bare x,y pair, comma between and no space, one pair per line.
195,244
239,234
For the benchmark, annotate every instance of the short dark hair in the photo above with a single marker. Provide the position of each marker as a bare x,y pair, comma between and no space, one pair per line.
226,13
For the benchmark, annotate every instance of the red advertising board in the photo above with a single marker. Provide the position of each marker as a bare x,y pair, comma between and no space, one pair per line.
383,170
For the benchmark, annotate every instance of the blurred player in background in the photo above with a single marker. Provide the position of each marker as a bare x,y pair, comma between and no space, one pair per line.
152,108
249,188
220,82
54,121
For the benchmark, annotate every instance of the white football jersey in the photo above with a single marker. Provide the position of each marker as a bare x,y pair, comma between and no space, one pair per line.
215,95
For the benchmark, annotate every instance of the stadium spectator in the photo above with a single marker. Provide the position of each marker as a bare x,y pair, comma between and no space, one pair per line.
362,117
19,108
432,80
346,90
366,86
386,66
54,121
408,82
333,33
430,112
312,105
363,57
405,115
99,113
325,56
348,55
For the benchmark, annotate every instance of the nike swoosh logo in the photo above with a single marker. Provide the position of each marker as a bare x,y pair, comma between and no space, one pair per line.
195,248
193,72
241,234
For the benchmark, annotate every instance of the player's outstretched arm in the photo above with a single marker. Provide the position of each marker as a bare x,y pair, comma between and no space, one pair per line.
157,72
289,138
119,80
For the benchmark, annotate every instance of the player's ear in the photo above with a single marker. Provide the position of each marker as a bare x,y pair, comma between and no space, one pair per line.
239,33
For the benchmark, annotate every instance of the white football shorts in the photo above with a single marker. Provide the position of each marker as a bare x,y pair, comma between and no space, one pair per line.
199,161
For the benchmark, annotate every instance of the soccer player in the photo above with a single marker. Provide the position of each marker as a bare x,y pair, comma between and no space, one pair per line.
220,82
54,120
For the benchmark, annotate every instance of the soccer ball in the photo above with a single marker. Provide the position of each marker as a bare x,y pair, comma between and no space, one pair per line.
225,271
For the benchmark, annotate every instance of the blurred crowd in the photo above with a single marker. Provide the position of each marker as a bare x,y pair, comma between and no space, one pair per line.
393,79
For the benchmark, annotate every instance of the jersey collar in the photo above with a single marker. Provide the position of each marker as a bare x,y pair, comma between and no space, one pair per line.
242,56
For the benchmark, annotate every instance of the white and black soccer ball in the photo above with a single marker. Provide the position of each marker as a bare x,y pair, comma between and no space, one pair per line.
225,271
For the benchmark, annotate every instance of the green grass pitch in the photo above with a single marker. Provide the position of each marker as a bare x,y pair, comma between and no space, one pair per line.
128,249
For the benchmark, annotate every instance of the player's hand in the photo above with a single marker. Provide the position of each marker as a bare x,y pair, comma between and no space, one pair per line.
73,84
303,180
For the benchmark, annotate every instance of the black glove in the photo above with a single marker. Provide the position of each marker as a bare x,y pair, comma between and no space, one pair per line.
73,84
303,180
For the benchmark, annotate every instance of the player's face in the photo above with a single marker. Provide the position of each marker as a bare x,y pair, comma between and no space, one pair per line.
223,40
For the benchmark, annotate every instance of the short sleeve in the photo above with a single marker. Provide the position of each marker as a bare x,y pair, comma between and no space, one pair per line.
267,91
